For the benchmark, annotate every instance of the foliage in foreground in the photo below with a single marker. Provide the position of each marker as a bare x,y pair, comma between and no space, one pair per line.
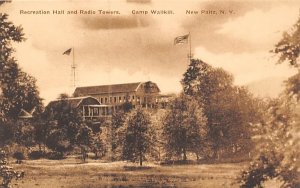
6,172
18,89
277,147
279,154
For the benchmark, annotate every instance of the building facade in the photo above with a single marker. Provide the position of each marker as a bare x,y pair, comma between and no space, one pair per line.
88,107
144,94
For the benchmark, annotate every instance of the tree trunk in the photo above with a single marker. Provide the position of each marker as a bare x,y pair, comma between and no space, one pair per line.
44,148
141,159
184,154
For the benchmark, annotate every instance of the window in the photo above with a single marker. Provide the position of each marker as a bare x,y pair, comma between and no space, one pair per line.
86,111
120,99
110,99
109,111
96,112
101,100
103,110
115,99
105,99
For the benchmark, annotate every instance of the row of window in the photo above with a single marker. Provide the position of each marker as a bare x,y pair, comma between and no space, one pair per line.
96,111
120,99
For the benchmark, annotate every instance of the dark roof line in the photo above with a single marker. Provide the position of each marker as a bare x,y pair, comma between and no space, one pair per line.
103,89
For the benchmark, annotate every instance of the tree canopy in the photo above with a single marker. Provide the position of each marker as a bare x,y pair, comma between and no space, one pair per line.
278,138
184,128
137,140
18,90
229,109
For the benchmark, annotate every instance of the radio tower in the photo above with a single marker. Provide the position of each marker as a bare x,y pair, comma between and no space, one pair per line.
73,67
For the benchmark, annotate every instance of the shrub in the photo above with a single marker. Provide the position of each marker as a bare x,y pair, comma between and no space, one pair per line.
36,155
19,155
55,155
6,172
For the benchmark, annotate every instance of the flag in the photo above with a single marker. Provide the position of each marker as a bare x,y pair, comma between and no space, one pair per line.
181,39
67,52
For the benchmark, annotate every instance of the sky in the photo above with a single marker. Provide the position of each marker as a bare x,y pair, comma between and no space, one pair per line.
123,48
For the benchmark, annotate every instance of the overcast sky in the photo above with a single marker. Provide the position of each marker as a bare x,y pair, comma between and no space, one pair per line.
112,49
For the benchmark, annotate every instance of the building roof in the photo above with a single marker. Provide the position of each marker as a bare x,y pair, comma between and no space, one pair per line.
24,114
73,101
103,89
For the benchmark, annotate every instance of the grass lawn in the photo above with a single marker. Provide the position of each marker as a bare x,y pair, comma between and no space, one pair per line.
71,173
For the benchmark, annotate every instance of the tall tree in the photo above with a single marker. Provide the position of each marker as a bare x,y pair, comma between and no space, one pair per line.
85,139
184,127
277,146
137,140
18,89
288,49
117,132
278,155
195,79
229,109
64,124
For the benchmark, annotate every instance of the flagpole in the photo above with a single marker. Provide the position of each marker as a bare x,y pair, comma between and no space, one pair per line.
190,37
73,68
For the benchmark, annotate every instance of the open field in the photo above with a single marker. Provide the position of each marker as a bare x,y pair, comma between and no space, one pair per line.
71,173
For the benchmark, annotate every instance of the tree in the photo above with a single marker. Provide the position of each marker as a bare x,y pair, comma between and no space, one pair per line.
293,86
57,139
24,134
277,146
229,109
6,133
184,127
117,132
288,49
98,146
41,129
85,140
64,123
137,140
19,90
278,156
195,79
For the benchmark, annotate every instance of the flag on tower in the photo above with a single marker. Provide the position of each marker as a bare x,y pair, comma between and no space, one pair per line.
181,39
67,52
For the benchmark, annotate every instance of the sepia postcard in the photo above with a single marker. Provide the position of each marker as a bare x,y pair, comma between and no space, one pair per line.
149,93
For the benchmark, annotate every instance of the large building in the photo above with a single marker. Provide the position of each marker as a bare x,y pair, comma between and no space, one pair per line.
144,94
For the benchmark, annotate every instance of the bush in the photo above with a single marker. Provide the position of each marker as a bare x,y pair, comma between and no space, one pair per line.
19,155
7,174
55,155
36,155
